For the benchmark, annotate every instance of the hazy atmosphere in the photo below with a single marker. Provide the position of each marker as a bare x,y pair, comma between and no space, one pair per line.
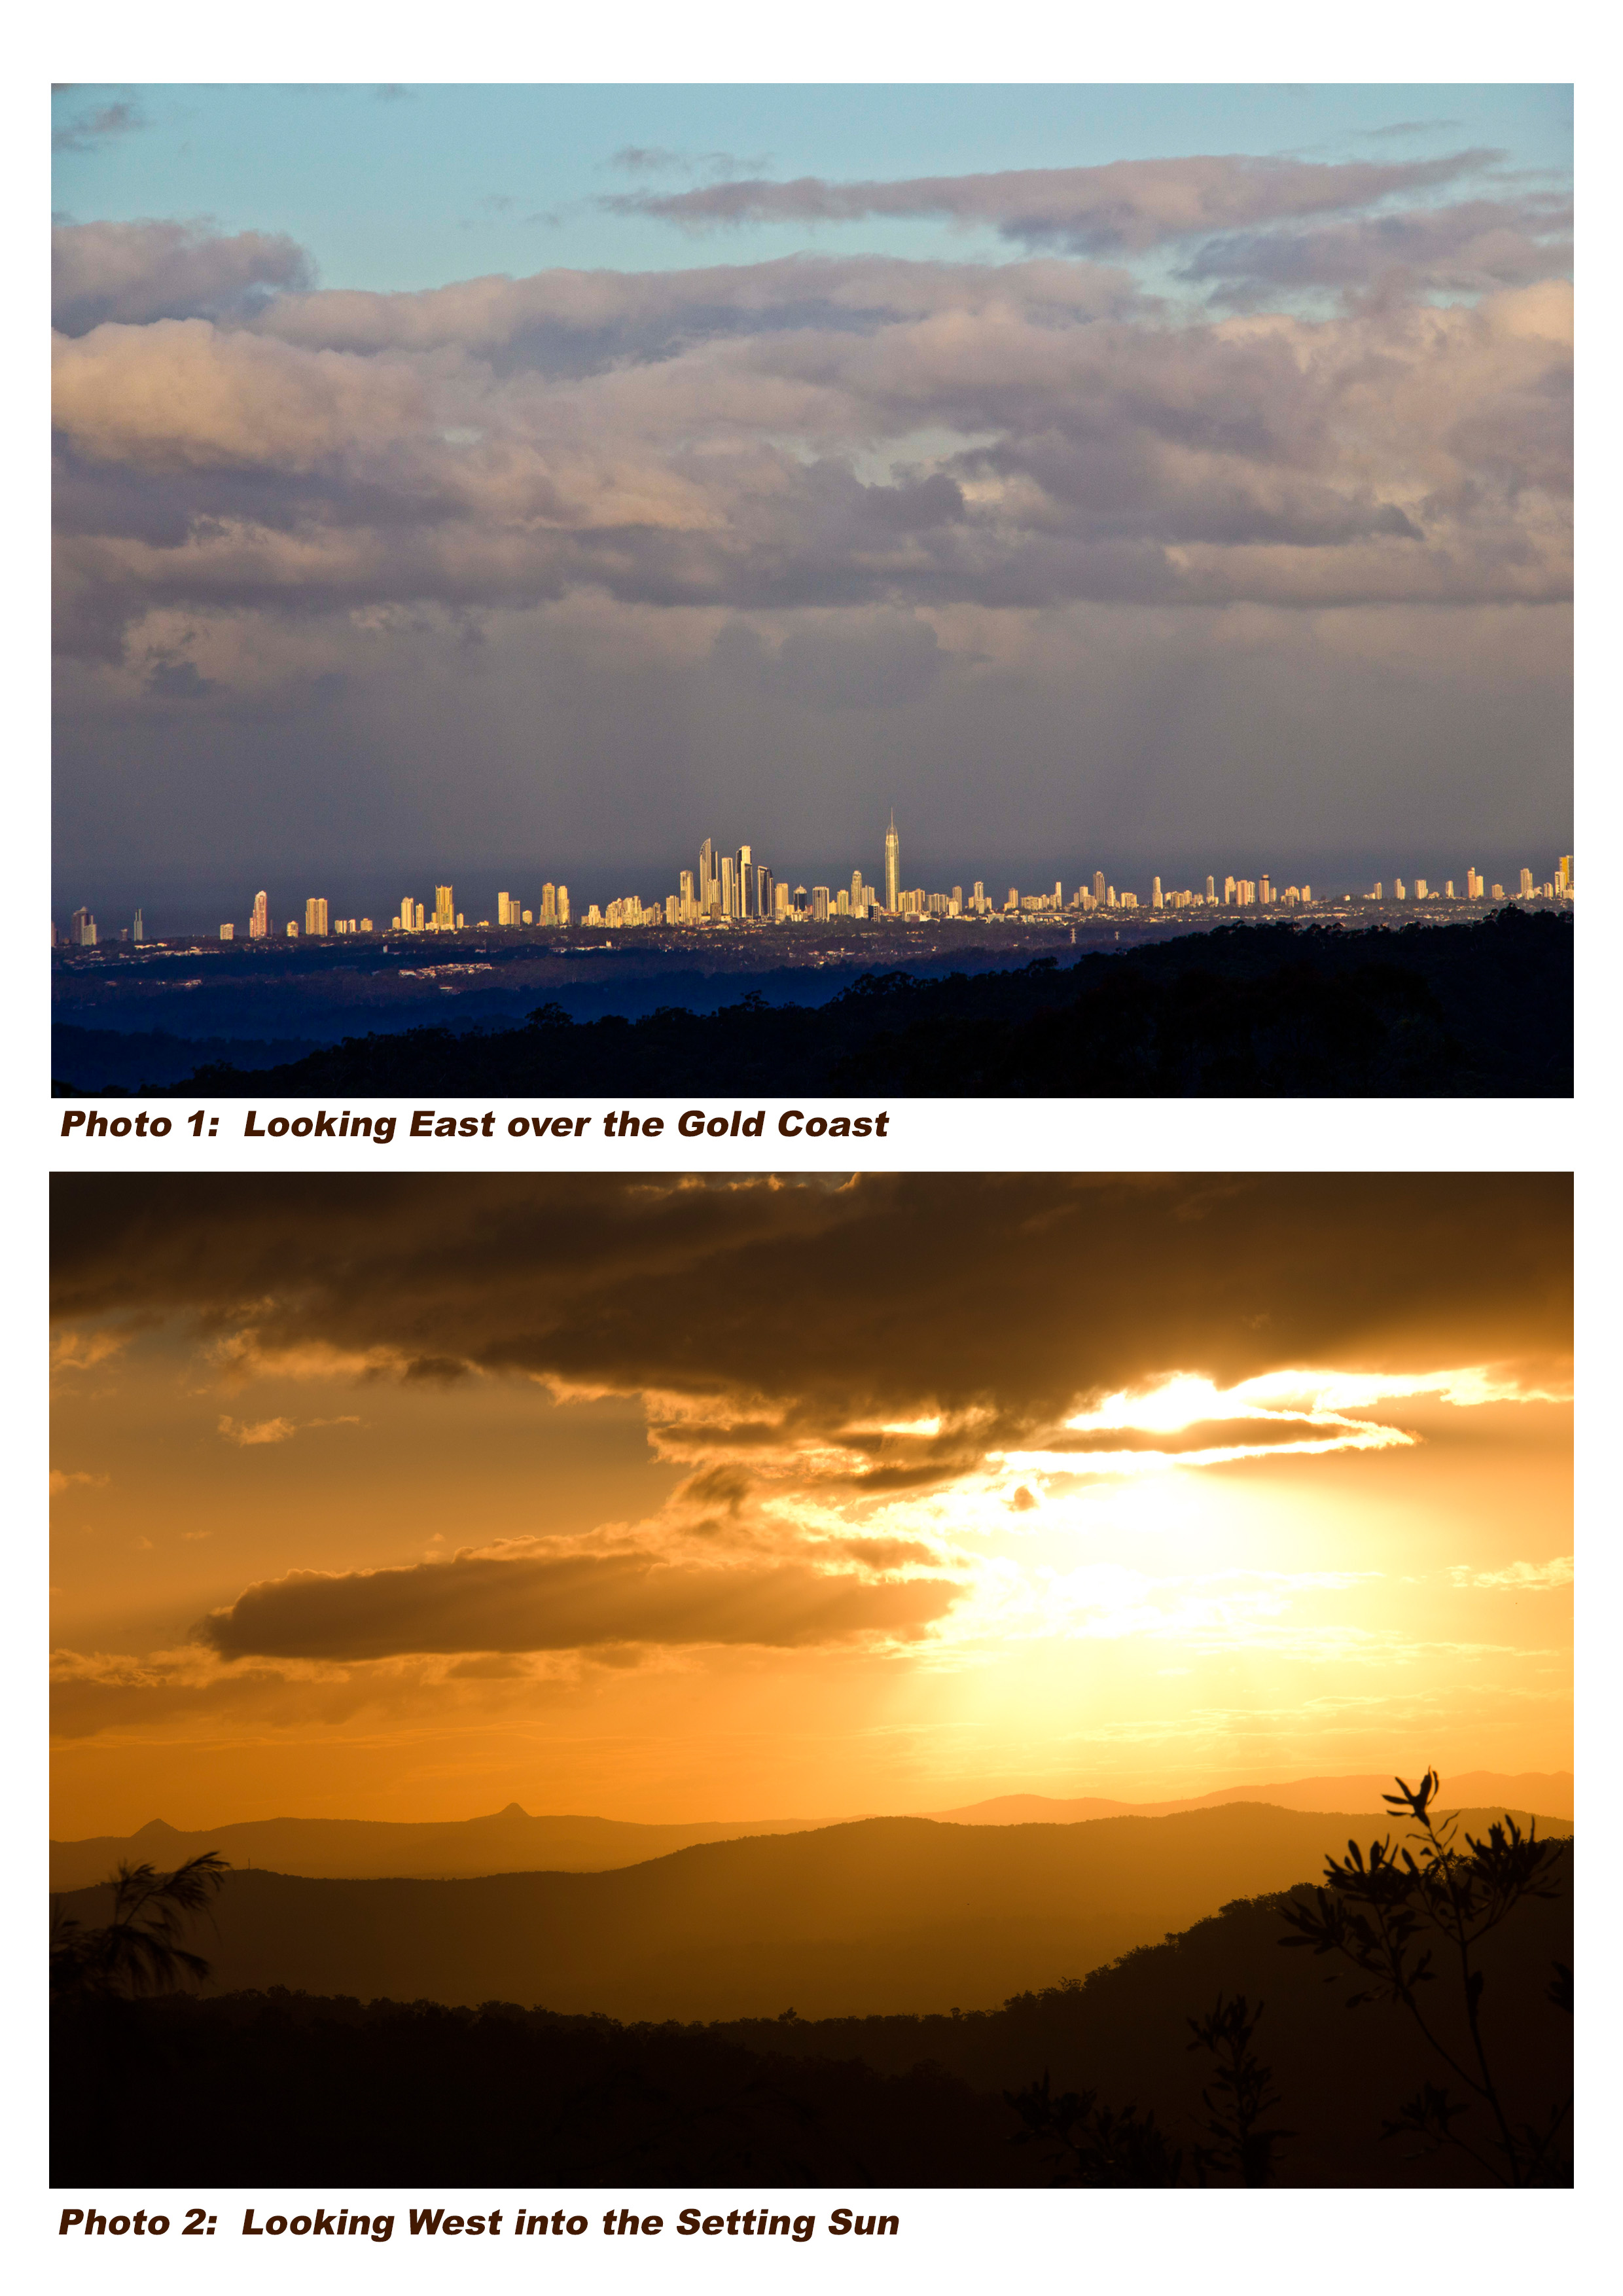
469,479
675,1500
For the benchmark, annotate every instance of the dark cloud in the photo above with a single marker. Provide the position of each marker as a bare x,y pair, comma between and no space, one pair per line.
1126,206
510,1602
1000,1300
133,272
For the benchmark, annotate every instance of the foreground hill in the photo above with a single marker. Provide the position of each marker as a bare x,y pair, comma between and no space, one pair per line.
888,1915
291,2090
1263,1008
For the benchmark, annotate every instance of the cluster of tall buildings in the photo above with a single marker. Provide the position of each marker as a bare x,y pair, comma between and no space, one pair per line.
736,888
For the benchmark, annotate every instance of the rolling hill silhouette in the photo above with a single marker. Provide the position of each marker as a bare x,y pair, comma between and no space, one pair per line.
349,1848
271,2090
886,1914
512,1841
1543,1790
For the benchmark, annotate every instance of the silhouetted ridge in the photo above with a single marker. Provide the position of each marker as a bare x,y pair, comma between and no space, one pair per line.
884,1913
262,2086
1264,1009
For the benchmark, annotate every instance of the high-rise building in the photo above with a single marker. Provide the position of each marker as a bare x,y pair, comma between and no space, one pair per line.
893,867
1448,890
259,924
315,916
764,885
708,891
1564,873
138,931
1156,901
563,905
228,933
820,904
782,900
548,913
726,896
1527,885
1211,889
1419,889
1377,892
292,928
743,880
82,933
444,909
1229,885
686,897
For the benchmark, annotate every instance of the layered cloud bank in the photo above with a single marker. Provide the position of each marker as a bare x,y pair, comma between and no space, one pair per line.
841,431
409,1459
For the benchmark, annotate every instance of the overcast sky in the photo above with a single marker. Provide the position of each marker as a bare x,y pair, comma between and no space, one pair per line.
534,482
667,1499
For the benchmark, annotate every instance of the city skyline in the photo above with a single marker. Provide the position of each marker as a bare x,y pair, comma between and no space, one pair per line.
1189,459
733,888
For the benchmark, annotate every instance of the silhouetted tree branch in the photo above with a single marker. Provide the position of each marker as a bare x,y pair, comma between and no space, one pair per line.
139,1949
1392,1915
1107,2147
1243,2095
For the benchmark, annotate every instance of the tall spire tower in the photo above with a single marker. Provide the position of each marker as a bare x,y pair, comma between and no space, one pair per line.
893,867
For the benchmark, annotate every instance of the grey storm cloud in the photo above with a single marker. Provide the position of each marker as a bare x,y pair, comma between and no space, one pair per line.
534,1601
1126,206
997,1299
841,433
136,271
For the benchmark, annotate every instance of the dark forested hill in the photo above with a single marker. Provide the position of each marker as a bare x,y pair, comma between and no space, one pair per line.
287,2089
1268,1009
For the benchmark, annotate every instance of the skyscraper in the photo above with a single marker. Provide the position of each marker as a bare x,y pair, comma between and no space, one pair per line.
444,909
707,876
1098,887
1527,885
316,916
1156,901
139,930
259,924
724,893
893,867
744,882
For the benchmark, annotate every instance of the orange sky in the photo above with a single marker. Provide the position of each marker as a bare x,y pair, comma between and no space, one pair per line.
665,1500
